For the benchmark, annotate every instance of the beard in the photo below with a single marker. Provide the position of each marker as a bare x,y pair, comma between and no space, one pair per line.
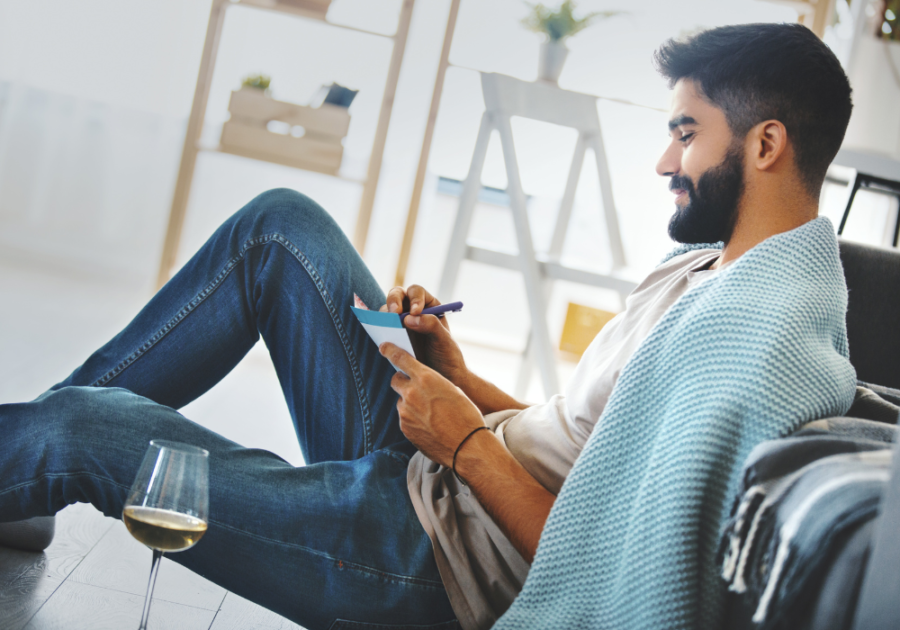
711,212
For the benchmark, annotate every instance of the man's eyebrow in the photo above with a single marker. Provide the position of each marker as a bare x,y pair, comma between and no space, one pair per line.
681,120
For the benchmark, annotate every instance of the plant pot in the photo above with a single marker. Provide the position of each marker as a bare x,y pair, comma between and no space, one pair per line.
550,63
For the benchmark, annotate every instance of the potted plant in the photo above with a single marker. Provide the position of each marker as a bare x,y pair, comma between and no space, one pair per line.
257,82
557,24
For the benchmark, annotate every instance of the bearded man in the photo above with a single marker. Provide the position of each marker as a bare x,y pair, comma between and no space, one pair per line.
426,494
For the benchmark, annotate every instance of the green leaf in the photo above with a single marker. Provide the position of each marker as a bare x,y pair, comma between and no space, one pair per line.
561,22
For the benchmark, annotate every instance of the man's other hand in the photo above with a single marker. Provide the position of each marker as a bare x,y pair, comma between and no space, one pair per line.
430,334
434,414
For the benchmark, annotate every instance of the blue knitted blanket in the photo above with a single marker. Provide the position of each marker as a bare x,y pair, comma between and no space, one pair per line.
748,355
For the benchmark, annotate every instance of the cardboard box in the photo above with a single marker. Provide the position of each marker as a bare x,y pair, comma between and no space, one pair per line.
317,148
581,326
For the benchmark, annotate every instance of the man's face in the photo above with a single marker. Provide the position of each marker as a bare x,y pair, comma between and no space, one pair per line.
706,166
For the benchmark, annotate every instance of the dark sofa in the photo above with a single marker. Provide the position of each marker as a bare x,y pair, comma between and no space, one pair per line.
856,581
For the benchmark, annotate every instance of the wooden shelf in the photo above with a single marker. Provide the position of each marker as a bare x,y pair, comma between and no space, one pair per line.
218,148
321,152
312,12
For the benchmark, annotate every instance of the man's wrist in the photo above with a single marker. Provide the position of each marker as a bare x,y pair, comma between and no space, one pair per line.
473,453
462,443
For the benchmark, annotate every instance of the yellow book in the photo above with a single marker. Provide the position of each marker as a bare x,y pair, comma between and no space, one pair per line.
581,326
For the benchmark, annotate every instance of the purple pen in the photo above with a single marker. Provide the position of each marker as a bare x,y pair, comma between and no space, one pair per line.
439,310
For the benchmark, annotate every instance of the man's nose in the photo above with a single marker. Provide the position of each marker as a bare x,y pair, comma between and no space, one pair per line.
669,163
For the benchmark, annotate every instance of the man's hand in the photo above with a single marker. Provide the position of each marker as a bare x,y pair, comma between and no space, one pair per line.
434,414
430,334
436,348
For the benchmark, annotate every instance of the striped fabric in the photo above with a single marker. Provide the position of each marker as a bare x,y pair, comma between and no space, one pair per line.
747,356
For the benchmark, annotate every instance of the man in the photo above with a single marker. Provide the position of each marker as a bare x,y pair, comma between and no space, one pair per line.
411,514
760,348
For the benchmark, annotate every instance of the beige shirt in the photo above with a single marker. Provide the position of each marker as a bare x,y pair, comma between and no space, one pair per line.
479,566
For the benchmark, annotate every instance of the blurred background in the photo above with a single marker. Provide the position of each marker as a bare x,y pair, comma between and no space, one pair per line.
94,102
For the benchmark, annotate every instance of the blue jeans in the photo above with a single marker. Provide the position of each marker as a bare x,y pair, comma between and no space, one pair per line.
335,540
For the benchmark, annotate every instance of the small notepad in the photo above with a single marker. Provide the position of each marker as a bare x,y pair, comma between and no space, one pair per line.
384,327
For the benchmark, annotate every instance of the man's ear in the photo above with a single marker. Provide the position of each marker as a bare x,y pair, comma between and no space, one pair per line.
768,142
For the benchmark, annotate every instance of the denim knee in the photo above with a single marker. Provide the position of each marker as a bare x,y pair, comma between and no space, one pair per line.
69,445
286,212
54,418
71,410
71,422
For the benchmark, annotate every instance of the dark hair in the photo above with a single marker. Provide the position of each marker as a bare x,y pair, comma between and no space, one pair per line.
757,72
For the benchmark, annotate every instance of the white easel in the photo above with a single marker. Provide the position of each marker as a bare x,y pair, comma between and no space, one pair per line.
505,97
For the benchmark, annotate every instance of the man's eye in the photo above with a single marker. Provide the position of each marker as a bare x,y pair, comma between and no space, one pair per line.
685,138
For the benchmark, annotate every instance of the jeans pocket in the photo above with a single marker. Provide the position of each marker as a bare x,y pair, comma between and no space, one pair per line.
343,624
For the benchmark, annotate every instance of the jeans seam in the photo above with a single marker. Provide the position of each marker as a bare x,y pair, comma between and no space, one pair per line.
361,568
207,291
44,476
404,459
341,564
186,310
342,335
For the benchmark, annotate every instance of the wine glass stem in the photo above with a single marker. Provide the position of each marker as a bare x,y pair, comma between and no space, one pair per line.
154,569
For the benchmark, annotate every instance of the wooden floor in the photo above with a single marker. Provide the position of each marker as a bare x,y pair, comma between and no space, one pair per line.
94,576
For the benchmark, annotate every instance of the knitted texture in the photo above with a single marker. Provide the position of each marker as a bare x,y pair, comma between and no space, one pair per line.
684,248
748,355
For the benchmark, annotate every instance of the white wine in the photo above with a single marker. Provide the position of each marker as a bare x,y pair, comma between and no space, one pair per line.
163,529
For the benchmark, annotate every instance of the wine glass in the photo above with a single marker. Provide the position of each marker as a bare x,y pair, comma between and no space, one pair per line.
168,506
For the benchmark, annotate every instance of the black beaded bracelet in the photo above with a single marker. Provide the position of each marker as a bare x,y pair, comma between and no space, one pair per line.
457,452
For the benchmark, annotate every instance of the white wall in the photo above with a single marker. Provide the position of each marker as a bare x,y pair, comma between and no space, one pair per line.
875,77
94,96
